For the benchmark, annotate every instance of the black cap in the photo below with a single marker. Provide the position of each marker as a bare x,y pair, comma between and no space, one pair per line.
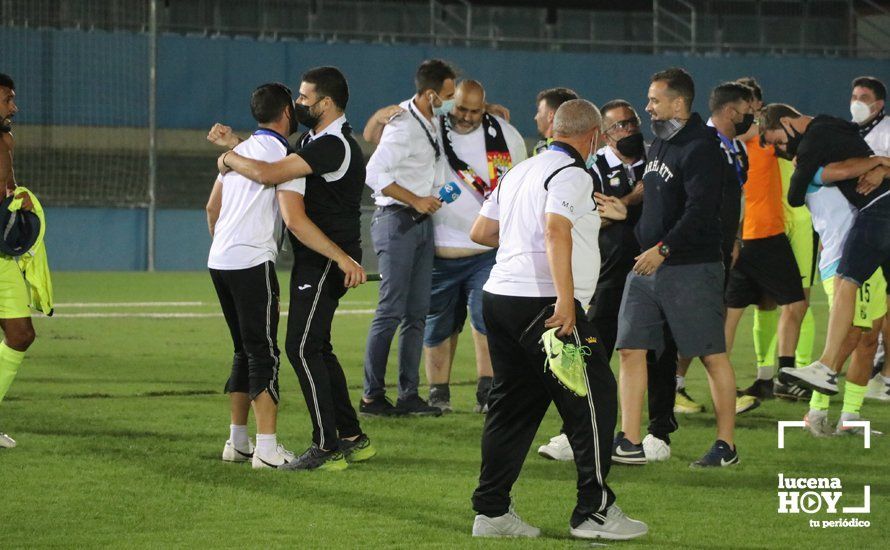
20,229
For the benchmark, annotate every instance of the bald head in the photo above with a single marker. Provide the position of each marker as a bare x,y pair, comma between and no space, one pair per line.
576,118
469,106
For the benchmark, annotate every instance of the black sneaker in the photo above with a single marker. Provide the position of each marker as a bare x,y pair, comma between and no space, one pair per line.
316,458
719,455
441,399
483,389
761,389
785,388
381,406
416,406
357,450
625,452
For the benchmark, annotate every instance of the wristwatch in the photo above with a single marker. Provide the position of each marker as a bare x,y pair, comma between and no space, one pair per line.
663,249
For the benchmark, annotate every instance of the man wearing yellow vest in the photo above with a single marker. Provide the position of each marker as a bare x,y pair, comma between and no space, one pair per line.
15,296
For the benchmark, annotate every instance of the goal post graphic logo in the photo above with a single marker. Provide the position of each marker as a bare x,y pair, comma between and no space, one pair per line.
812,495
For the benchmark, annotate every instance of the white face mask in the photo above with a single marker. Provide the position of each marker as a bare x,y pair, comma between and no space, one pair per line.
860,111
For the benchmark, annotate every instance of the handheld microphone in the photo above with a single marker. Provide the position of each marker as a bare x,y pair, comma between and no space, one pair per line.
448,193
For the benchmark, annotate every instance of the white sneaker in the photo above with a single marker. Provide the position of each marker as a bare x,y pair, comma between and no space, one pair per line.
842,430
878,389
817,423
558,449
508,525
614,525
6,442
655,449
816,376
281,457
233,454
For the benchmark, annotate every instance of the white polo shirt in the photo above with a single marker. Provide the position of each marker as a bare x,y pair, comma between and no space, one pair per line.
520,204
879,138
452,222
249,229
406,155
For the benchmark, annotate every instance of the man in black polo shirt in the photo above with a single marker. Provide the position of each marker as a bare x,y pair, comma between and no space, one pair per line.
332,163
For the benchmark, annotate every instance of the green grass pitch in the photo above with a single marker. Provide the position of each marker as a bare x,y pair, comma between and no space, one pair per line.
121,420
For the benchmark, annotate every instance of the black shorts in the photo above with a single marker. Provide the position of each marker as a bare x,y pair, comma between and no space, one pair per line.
766,267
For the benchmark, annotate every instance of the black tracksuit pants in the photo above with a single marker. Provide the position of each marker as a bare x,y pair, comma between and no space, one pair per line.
662,369
520,395
316,287
249,301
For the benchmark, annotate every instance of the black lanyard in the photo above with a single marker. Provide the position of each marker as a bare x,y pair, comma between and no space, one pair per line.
429,136
729,145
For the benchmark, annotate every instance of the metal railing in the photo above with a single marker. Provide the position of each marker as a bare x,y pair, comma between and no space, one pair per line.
858,28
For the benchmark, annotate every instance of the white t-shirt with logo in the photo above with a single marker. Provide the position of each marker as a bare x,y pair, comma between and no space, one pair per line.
249,229
520,205
452,222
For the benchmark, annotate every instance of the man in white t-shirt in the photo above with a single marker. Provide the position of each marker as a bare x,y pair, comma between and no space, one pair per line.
546,223
478,148
244,221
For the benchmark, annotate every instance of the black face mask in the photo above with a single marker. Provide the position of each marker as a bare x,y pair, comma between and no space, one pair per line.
783,154
305,116
744,125
631,146
792,144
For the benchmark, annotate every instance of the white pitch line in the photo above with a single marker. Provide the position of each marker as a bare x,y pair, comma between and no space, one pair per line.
179,315
129,304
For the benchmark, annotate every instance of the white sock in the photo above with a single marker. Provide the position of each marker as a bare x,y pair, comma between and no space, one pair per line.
681,382
766,373
266,444
817,412
238,436
886,379
848,416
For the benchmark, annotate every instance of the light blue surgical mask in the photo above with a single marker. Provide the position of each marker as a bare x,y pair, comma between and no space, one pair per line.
591,157
446,107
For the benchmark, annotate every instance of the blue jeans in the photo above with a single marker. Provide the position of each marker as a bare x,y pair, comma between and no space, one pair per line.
405,258
457,284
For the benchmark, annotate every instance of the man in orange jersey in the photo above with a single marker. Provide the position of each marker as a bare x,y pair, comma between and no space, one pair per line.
798,226
766,272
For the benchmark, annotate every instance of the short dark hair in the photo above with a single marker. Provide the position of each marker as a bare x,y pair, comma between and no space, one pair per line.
269,100
772,114
872,84
679,81
616,104
432,74
554,97
728,92
329,82
750,82
6,81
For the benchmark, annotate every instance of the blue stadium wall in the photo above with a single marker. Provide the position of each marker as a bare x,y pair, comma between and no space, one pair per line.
203,80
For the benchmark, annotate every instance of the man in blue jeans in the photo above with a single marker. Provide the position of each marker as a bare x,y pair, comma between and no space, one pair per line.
478,149
401,172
